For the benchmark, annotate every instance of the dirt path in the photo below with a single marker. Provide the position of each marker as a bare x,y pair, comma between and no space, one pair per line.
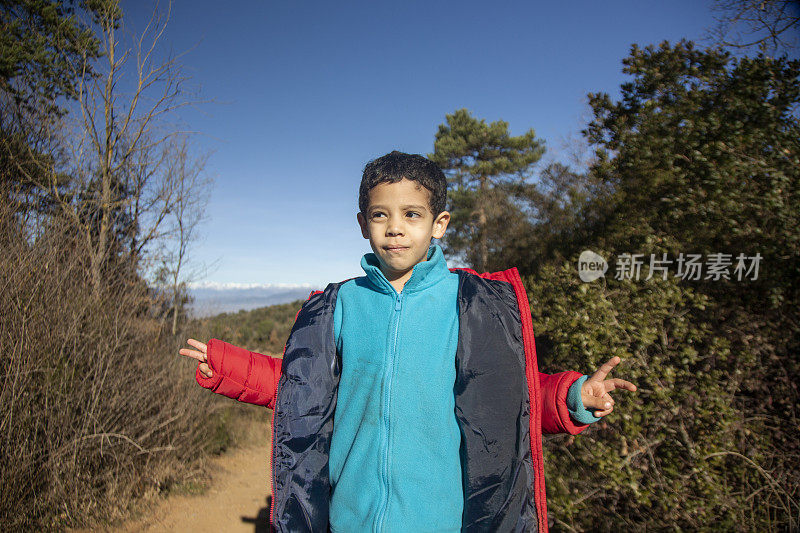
236,501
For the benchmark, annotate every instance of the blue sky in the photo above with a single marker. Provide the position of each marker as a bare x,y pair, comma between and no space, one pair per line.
305,93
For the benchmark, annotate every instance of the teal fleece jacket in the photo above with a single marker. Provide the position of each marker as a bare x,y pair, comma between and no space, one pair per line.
395,434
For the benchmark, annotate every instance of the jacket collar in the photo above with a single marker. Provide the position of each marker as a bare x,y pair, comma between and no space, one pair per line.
423,275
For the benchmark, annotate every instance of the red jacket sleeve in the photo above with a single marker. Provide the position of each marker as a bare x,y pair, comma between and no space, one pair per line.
555,416
240,374
243,375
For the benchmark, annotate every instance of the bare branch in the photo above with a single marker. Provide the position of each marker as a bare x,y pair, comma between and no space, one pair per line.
764,24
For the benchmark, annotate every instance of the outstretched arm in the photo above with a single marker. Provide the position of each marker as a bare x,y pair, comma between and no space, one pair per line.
240,374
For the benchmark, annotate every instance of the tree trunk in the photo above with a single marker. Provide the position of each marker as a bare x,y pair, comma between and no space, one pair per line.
175,315
106,160
175,285
483,247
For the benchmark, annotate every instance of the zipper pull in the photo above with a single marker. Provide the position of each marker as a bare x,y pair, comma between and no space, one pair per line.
397,302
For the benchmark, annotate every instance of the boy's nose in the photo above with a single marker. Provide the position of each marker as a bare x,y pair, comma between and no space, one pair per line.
393,228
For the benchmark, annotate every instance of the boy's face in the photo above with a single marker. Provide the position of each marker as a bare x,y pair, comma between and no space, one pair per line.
399,225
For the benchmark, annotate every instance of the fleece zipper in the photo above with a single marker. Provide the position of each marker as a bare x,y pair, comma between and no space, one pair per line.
387,399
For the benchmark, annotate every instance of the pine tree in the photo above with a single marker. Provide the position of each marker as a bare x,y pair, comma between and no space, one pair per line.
488,168
42,50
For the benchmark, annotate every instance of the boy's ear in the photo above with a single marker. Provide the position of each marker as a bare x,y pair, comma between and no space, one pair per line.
440,224
363,223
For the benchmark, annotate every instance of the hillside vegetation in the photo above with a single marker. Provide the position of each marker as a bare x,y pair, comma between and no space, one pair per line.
262,330
99,198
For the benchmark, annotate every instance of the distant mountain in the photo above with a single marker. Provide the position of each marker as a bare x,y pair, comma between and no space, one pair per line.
214,298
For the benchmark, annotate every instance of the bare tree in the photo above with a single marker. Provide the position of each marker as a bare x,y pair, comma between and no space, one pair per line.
770,26
191,190
119,143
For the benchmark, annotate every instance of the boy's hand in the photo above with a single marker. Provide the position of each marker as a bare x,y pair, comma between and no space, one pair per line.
595,391
201,355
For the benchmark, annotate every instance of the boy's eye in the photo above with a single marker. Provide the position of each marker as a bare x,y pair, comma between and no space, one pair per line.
412,214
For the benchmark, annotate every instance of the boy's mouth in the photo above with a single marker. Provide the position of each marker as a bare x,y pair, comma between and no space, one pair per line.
395,248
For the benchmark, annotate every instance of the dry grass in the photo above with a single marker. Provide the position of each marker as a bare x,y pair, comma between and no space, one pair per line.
97,409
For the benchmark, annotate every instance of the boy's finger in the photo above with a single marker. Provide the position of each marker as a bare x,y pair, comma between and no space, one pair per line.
194,354
600,414
607,367
601,403
199,345
205,370
616,383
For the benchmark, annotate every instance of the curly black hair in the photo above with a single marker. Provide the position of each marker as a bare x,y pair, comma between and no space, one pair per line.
395,166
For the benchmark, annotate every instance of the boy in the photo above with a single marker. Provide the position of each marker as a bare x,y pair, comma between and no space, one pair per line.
409,399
